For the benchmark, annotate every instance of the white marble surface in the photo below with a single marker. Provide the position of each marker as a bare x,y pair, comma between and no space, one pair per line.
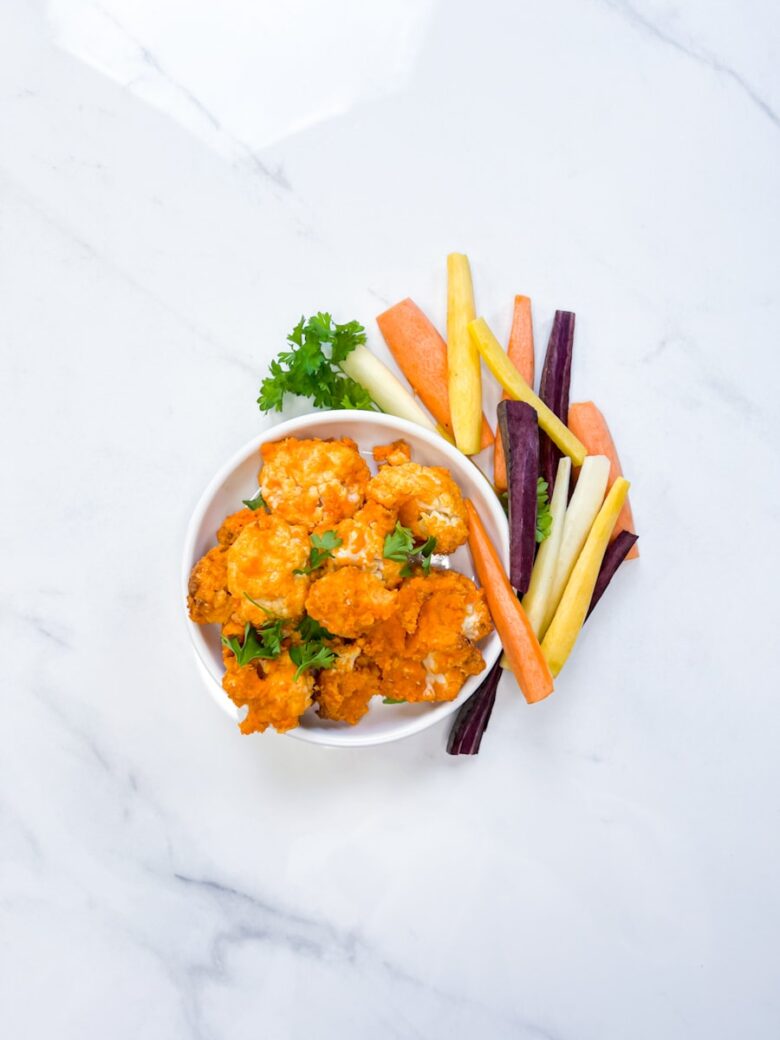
608,866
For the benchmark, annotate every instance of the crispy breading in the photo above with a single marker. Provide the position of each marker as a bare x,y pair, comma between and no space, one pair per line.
209,599
349,601
233,525
260,565
395,454
270,691
443,611
313,482
345,690
427,499
425,650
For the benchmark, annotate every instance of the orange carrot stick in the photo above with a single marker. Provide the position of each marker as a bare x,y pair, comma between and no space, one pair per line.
587,423
521,353
421,354
520,644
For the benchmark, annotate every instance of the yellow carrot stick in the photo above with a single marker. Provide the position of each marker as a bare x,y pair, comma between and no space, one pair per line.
463,366
510,379
573,608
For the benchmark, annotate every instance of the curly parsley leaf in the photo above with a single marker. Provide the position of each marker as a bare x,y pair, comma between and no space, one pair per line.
321,550
311,367
258,502
265,642
399,546
543,514
426,551
311,655
392,700
312,630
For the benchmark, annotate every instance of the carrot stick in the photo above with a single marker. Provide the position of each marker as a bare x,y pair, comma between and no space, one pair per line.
520,350
587,423
421,354
520,644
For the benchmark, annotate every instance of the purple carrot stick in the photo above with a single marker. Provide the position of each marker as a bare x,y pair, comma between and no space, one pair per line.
473,717
554,388
519,431
613,557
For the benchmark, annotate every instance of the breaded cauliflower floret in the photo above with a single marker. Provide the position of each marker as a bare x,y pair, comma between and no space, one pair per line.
349,601
427,499
363,539
425,650
260,565
270,690
439,676
233,525
345,689
444,611
395,454
313,482
209,599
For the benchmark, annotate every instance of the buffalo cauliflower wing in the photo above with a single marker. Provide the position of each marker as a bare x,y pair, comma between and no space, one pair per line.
233,525
425,650
260,568
345,690
427,500
313,482
444,611
349,601
209,600
269,691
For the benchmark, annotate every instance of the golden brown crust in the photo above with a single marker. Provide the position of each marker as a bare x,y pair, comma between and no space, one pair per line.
261,563
349,601
395,454
208,601
233,525
313,482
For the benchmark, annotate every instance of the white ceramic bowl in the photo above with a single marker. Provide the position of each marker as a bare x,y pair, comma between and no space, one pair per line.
237,480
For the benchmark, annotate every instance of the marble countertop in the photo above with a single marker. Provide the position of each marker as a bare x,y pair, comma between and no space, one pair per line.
177,185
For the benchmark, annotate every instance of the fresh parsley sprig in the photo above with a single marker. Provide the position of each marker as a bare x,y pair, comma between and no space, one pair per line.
399,546
265,642
311,630
322,546
311,367
543,514
258,502
311,655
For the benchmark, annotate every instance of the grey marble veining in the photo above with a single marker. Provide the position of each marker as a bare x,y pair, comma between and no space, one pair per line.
607,867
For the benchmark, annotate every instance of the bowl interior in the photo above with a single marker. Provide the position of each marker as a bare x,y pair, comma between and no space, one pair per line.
237,480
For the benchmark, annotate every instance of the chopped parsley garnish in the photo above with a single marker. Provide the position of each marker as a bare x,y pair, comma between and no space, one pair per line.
311,367
258,502
399,546
321,550
313,654
392,700
265,642
426,551
543,514
311,629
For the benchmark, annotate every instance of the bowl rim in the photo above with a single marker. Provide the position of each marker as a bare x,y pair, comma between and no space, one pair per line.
293,427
